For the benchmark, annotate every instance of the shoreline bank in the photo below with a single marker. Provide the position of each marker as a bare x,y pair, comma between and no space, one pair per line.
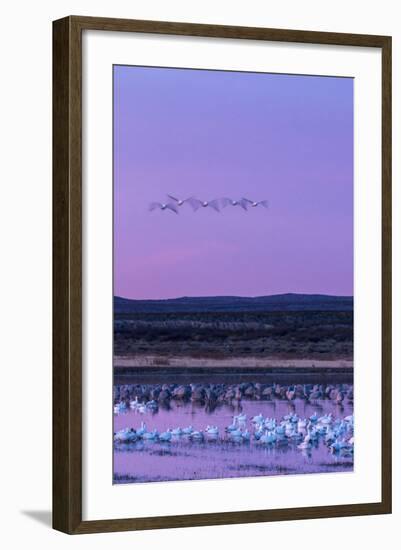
233,370
157,363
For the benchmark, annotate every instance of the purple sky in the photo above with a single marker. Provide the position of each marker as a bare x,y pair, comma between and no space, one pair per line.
211,134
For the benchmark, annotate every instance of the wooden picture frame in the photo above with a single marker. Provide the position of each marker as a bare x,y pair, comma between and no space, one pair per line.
67,274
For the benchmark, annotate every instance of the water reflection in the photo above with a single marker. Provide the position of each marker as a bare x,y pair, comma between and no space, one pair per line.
184,458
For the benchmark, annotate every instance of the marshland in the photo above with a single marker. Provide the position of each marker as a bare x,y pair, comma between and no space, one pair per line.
212,388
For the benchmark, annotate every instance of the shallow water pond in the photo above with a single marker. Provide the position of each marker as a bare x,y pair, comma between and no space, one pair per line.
183,459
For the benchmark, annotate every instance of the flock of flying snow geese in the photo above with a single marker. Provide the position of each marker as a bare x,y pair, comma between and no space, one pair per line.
174,204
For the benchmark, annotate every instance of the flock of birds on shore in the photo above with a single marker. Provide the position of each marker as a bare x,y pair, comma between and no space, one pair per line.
306,433
211,395
173,204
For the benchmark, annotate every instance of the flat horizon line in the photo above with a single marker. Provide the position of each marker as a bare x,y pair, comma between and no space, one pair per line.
238,296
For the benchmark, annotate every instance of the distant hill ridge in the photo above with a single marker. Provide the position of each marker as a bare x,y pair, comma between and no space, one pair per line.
275,302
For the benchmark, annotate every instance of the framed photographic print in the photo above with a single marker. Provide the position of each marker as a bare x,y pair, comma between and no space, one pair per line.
222,274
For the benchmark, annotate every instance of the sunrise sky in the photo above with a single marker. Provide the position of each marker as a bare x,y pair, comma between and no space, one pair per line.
212,134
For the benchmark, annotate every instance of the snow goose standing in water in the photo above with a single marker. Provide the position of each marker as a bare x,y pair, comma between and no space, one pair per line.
134,403
268,438
197,435
232,427
141,430
258,419
188,430
126,435
151,436
165,436
306,443
120,407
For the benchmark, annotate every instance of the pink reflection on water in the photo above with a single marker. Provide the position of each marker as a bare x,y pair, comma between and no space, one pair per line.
182,459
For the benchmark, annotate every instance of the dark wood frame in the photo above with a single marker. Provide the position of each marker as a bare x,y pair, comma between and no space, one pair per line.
67,278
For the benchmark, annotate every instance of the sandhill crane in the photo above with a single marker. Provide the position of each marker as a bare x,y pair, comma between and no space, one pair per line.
264,203
163,206
178,202
196,204
226,201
